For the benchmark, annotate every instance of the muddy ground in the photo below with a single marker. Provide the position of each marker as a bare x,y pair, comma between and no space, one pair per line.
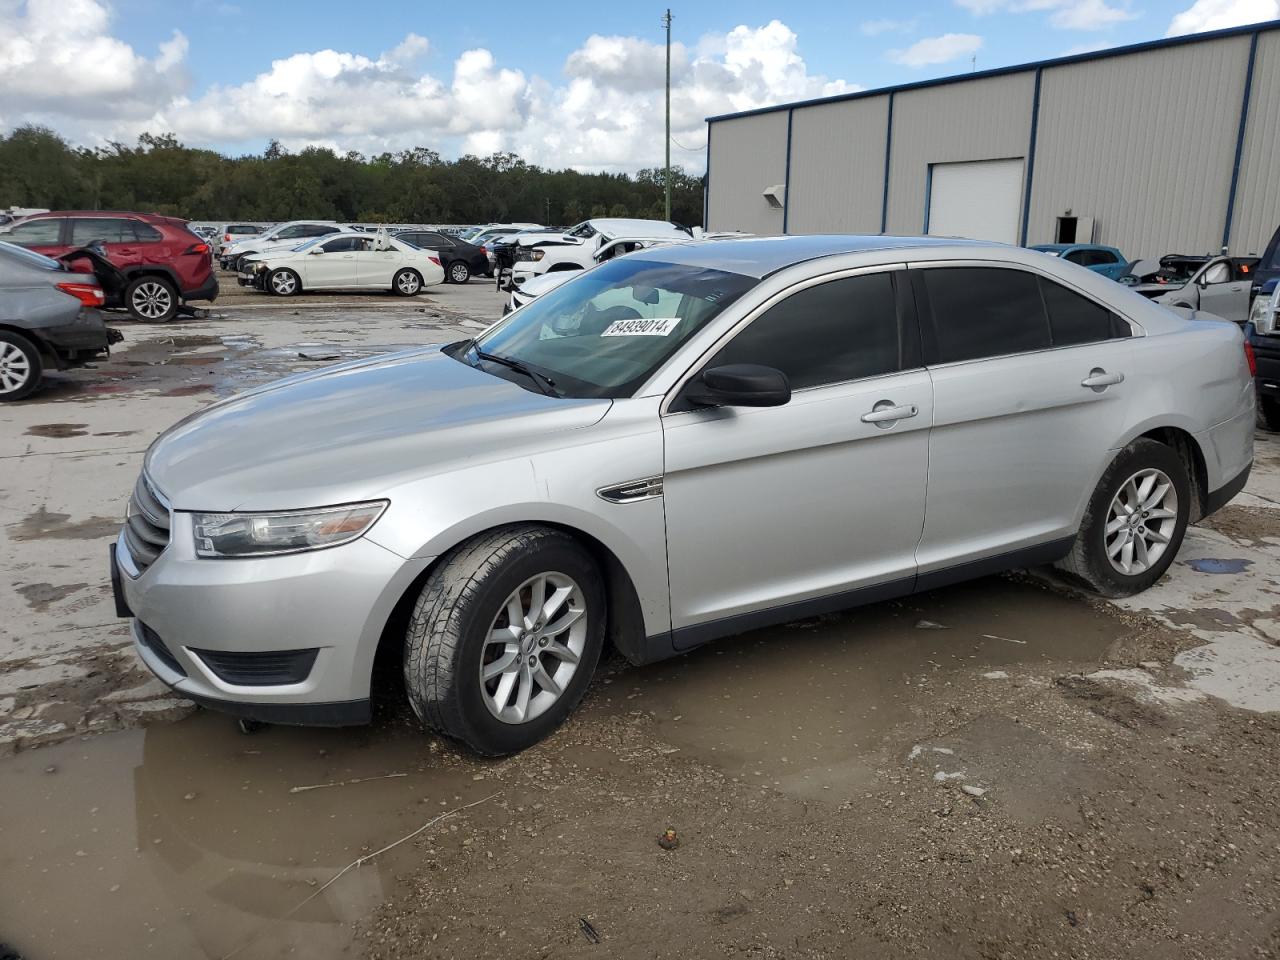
1002,769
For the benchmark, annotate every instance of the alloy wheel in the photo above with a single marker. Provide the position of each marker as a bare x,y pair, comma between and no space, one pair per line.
459,273
15,368
408,283
533,647
284,283
1141,522
151,300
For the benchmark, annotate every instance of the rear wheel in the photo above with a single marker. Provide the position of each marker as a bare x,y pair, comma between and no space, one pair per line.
20,366
152,299
459,272
284,282
407,283
1135,521
505,637
1270,408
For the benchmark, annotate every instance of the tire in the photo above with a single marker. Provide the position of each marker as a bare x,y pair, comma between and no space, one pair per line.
407,283
151,299
464,601
458,272
1089,559
20,367
284,283
1269,407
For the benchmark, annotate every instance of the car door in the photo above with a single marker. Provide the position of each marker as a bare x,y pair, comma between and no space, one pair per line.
1221,293
335,267
820,500
377,268
116,234
1029,393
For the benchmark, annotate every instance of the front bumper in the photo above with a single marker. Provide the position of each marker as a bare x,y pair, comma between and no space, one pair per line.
335,602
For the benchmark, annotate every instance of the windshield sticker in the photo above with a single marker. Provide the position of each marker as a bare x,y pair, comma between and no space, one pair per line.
654,327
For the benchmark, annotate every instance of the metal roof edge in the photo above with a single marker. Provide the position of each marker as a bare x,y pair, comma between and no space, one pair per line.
1245,30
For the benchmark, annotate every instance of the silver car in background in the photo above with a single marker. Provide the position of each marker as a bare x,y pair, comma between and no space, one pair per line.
680,444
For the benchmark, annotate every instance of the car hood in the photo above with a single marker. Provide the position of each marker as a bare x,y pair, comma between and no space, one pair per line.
536,286
353,432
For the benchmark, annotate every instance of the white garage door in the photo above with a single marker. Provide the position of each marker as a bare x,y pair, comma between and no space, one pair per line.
981,200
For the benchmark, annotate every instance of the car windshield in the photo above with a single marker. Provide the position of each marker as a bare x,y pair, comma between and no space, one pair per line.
30,257
605,332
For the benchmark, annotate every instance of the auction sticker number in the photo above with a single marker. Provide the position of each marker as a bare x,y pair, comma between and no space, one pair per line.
654,327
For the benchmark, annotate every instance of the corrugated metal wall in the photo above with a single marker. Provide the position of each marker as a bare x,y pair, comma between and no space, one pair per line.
1144,144
1258,193
986,119
837,167
748,155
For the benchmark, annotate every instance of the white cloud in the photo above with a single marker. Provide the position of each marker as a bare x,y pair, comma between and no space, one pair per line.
931,50
57,58
604,112
1219,14
873,28
1063,14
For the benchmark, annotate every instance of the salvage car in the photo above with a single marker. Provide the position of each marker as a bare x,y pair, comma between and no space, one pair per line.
48,318
539,253
1221,286
681,444
343,261
1107,261
283,236
164,263
1262,333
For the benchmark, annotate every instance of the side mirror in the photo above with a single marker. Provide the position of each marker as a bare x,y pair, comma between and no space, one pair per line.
316,250
740,385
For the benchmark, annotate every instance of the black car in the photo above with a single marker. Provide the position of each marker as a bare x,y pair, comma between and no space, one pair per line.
461,260
1268,267
1263,335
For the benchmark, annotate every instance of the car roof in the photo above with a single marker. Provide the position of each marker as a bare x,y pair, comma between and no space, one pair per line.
761,256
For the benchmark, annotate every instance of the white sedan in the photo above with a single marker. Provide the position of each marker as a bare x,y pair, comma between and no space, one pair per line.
344,261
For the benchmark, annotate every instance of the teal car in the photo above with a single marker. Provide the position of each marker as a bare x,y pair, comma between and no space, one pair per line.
1107,261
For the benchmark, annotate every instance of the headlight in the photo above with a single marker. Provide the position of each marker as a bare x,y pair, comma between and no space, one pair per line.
1263,314
266,534
537,255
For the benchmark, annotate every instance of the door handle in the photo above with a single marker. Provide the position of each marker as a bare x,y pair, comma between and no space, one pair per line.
1098,379
886,411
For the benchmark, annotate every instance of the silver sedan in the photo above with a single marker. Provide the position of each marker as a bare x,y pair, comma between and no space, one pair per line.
678,445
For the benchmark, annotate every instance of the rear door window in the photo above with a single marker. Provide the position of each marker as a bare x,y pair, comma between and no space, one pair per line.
983,312
1075,319
844,329
86,230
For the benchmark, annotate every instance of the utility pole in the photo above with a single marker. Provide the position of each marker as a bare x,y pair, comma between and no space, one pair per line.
666,177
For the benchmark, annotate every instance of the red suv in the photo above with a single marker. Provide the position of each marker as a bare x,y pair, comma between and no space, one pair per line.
162,262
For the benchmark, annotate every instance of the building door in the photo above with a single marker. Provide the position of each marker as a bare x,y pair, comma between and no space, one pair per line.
981,200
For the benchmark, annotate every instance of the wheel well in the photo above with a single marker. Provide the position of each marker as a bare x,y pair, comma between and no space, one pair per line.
162,272
624,629
1185,446
42,347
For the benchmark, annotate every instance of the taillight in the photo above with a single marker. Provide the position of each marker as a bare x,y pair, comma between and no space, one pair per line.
484,249
435,260
1253,361
90,294
197,248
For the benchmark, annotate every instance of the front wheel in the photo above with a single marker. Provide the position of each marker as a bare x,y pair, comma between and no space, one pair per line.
152,300
1134,522
283,282
20,366
407,283
504,638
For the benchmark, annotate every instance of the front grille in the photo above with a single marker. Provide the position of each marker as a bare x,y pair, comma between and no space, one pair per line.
151,640
146,529
266,669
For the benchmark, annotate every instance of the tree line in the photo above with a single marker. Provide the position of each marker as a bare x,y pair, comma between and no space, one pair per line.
161,175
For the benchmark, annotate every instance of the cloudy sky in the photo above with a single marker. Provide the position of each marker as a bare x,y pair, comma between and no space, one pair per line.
566,83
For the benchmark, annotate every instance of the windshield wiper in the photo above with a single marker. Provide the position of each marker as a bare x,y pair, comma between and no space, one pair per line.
543,382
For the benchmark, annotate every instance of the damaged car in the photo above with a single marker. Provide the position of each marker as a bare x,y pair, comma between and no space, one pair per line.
343,261
1221,286
49,318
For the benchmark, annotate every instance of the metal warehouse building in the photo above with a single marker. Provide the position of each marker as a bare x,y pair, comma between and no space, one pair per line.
1153,148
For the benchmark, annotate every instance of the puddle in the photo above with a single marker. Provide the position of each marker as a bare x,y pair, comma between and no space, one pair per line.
58,430
44,525
184,840
1212,565
40,595
807,707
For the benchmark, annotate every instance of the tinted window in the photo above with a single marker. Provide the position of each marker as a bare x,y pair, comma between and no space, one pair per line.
1077,256
319,230
1097,258
146,233
842,330
344,245
85,230
1077,319
984,312
36,233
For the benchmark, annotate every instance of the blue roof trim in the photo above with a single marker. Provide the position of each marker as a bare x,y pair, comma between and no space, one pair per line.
1031,156
1252,28
1244,123
786,177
